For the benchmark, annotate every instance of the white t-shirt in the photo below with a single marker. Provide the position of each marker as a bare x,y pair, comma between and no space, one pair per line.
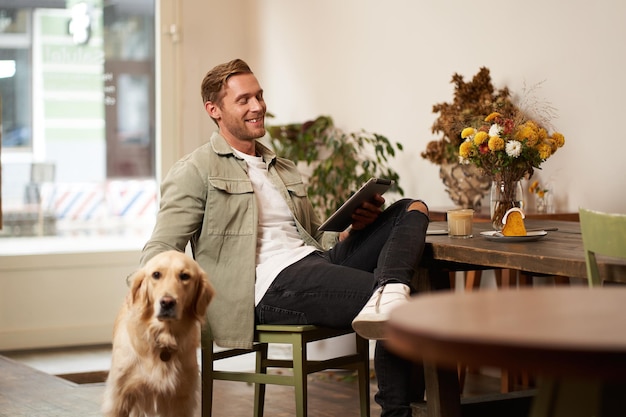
278,243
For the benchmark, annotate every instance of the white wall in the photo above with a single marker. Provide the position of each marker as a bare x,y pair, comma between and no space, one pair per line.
382,65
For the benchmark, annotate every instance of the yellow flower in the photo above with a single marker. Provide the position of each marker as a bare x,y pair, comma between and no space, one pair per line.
552,144
559,139
533,186
465,149
529,132
545,150
480,138
538,189
496,143
532,125
492,116
467,132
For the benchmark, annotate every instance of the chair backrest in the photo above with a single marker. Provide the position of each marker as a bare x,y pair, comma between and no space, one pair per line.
603,234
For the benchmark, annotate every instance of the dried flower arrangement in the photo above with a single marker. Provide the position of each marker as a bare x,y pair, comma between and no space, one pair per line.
472,101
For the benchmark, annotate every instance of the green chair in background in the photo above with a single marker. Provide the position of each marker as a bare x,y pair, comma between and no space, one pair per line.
604,234
298,336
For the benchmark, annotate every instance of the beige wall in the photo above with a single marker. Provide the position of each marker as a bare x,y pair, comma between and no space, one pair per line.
206,33
382,65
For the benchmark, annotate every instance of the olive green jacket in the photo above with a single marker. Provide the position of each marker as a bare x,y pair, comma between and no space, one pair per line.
207,199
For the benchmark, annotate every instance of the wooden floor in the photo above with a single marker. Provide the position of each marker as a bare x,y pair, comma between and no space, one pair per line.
330,395
26,392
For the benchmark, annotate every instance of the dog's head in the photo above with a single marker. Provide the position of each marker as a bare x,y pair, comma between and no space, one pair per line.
172,286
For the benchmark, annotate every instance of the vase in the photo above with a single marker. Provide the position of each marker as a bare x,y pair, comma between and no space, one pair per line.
465,184
541,204
504,196
543,199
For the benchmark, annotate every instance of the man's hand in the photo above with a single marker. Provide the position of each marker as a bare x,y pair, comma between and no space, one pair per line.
365,215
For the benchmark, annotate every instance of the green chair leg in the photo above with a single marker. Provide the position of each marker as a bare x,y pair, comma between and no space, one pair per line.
300,375
298,336
259,388
207,380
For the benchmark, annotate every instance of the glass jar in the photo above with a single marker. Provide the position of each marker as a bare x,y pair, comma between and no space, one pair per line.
504,196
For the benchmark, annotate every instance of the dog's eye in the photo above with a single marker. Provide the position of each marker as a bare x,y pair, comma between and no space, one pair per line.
156,275
184,276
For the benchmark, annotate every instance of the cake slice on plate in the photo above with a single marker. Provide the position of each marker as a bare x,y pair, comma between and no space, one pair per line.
513,221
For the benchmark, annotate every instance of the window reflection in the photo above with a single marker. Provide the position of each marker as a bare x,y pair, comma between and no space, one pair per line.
79,108
15,79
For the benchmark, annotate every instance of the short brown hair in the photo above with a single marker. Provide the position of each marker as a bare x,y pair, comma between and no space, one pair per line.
213,82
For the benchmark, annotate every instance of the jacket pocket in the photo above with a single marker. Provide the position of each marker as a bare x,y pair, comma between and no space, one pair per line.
230,208
296,189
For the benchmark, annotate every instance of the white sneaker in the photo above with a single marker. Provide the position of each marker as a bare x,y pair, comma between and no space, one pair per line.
369,323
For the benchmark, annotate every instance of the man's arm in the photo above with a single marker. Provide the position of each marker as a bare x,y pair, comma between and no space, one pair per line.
183,199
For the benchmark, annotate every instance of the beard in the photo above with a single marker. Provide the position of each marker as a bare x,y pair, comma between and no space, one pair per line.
242,129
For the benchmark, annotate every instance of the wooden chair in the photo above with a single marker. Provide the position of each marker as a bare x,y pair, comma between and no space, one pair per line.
603,234
298,336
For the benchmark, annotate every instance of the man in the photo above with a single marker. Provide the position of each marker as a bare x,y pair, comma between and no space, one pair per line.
252,228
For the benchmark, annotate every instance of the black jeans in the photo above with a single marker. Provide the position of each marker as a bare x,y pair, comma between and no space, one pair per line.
330,288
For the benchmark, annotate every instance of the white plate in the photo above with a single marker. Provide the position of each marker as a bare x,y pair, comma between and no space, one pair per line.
437,232
531,236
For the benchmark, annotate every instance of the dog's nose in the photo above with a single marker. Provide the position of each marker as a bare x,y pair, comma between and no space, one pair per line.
168,303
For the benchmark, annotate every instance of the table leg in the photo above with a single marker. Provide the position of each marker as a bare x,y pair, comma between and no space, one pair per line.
472,280
443,397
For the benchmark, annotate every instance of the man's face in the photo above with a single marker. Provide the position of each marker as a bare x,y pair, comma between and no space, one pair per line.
241,115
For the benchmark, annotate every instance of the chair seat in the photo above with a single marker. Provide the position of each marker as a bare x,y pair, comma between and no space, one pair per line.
298,336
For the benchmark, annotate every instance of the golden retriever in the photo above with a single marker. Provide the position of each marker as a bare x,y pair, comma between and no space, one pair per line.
154,366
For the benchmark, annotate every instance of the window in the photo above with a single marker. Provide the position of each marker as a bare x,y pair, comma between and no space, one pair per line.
15,81
78,117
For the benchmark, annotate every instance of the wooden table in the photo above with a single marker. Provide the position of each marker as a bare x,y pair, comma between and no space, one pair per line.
554,331
559,253
576,333
506,277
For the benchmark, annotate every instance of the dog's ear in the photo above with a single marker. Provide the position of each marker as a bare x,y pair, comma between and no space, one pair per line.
137,286
204,294
135,283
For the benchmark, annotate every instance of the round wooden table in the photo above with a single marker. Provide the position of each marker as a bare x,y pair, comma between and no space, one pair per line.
559,333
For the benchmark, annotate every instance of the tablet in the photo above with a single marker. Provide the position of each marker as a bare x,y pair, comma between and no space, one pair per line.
342,218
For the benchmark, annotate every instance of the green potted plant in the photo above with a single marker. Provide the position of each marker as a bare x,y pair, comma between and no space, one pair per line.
336,162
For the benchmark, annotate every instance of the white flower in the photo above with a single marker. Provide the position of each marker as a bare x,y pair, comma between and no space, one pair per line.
513,148
495,130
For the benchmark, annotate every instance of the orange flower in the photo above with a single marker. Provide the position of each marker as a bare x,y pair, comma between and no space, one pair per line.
492,116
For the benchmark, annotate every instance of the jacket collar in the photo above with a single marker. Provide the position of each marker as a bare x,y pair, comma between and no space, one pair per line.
222,148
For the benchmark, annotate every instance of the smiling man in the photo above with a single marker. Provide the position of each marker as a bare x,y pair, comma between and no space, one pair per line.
252,228
237,108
